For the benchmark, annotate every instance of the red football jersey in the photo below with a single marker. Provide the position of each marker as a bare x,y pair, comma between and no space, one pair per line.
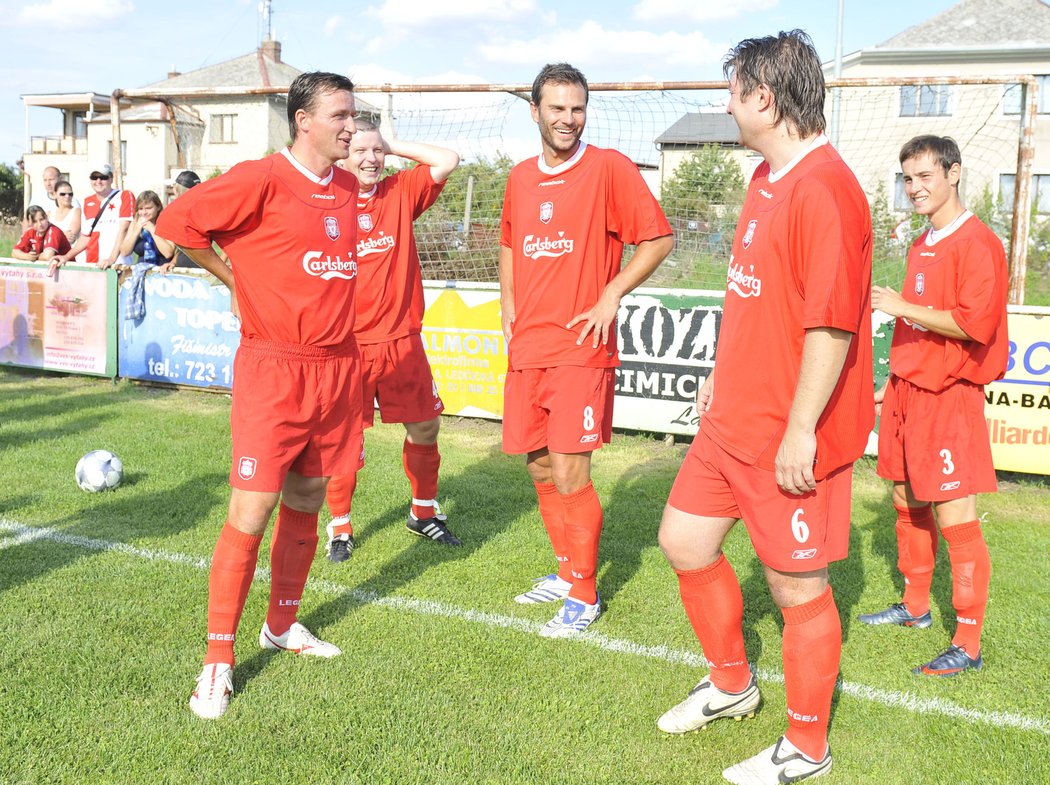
801,260
963,272
567,226
102,239
54,237
390,284
292,242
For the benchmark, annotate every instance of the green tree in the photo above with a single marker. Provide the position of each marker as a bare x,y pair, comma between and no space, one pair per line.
10,193
486,203
703,185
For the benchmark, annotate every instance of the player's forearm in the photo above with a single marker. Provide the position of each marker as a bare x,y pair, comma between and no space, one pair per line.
441,160
940,322
824,351
647,257
506,276
207,259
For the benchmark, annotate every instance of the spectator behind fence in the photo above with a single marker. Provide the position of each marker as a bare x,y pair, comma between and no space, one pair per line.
50,178
67,215
42,241
140,239
184,182
108,214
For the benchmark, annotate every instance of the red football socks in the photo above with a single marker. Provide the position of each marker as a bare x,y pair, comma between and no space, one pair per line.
232,568
812,651
971,572
421,462
340,496
916,555
715,607
291,553
552,511
583,530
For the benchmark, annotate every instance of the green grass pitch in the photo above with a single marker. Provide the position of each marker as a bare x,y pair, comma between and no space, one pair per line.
443,678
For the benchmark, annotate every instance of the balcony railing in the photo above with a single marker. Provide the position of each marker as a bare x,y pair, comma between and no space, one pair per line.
59,145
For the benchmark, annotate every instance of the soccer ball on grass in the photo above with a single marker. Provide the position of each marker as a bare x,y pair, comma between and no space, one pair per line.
99,470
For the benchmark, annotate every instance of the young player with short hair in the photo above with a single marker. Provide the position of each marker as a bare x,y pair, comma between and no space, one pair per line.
395,371
567,214
779,425
949,340
289,225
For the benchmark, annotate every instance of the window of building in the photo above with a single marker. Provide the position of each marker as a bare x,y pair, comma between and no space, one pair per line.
1040,192
1012,96
80,125
926,100
900,196
221,129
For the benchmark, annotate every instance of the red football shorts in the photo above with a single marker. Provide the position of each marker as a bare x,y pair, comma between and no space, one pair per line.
397,374
790,533
565,409
936,441
295,408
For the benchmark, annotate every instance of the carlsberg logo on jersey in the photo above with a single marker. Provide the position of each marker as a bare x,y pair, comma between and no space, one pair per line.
374,245
322,266
537,248
746,284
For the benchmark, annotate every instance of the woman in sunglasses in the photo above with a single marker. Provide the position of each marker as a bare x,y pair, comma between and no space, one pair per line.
66,215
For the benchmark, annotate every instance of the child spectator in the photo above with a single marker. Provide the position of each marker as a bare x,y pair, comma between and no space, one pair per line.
141,241
42,240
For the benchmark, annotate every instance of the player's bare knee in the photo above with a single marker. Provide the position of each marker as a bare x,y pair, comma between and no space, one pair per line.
423,432
790,589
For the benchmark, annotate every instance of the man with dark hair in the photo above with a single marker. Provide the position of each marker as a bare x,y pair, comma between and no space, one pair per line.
949,340
394,367
566,217
289,224
779,434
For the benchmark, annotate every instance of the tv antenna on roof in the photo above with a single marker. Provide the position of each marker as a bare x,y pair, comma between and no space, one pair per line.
266,19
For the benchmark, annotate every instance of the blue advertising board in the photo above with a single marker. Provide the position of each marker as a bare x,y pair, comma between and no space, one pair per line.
188,335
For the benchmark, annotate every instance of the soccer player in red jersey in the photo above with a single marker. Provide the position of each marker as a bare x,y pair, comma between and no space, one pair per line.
395,371
289,225
949,340
784,413
566,217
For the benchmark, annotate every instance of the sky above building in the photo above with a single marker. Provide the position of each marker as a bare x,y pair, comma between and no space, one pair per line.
54,46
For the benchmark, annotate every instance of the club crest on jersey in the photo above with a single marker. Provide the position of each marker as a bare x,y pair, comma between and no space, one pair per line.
331,227
920,283
364,220
749,235
246,468
546,212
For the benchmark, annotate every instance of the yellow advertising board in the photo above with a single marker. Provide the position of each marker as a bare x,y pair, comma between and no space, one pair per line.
1017,407
466,349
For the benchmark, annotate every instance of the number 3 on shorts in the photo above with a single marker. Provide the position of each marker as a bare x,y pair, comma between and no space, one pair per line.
588,418
949,466
799,528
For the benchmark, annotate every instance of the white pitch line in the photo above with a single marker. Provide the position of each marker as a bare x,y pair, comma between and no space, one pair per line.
889,698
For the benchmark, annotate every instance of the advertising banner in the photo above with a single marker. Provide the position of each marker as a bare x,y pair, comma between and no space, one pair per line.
1017,407
466,349
187,336
62,322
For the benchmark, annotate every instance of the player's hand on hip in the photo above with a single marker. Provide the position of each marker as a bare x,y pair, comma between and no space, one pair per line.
880,395
795,459
598,321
